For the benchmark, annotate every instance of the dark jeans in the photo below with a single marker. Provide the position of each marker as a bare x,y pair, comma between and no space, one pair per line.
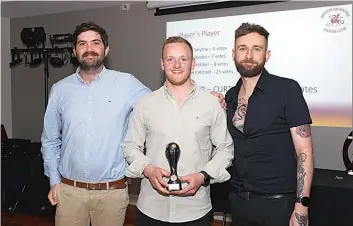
261,212
143,220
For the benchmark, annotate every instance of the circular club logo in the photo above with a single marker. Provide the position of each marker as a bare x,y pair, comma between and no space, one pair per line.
335,19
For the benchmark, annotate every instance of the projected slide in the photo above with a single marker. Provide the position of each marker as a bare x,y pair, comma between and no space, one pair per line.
312,46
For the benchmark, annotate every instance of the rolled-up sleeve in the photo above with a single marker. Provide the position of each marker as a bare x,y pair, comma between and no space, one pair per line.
51,139
133,145
223,152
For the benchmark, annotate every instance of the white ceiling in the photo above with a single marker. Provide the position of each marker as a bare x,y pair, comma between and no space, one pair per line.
18,9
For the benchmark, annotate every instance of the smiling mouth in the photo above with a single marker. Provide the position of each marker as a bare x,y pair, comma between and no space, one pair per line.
91,57
249,65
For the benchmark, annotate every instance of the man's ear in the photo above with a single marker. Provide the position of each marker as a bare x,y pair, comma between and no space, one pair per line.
106,51
268,55
193,64
162,64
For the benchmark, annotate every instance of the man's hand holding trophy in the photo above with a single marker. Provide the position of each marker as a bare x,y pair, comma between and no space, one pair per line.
174,185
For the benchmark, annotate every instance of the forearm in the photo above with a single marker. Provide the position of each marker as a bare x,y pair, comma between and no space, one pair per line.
54,177
305,168
136,159
223,154
217,166
305,171
51,152
51,159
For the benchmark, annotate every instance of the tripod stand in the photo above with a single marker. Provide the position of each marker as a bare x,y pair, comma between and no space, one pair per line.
44,53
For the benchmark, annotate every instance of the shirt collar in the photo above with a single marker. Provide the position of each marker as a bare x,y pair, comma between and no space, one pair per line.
261,83
99,77
260,86
191,93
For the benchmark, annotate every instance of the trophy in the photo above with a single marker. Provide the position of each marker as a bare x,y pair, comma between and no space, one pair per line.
172,152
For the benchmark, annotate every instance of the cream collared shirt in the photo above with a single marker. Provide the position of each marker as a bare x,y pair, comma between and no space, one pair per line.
199,127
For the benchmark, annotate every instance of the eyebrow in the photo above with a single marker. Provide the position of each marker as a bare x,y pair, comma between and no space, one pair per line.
254,46
94,40
177,57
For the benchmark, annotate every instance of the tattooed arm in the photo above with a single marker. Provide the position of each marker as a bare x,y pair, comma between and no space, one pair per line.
302,140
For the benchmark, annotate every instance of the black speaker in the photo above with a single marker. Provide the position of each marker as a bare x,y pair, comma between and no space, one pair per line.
15,168
24,186
35,197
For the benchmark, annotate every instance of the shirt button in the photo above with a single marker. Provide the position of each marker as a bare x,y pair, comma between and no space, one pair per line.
89,102
90,119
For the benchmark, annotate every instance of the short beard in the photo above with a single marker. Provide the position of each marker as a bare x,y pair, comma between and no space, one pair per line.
178,82
85,66
90,65
249,73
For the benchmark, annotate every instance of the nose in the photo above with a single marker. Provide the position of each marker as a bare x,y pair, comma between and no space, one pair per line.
249,54
177,64
89,46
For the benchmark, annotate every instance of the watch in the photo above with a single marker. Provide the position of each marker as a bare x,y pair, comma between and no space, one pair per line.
207,179
305,201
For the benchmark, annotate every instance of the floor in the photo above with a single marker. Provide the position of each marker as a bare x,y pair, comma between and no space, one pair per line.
23,220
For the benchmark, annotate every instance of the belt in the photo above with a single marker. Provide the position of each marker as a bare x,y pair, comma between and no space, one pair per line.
118,184
252,195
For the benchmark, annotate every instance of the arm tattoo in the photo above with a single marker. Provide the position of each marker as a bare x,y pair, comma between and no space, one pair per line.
303,131
302,219
300,174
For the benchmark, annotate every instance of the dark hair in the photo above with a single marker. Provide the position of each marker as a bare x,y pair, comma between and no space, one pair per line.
90,26
177,39
246,28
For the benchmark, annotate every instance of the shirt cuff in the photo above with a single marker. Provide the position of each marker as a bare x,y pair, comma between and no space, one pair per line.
218,176
54,178
135,169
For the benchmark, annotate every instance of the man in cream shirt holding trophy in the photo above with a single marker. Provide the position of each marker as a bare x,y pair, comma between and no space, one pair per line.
178,143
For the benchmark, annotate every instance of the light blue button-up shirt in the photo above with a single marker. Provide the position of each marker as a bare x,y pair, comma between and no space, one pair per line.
85,124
